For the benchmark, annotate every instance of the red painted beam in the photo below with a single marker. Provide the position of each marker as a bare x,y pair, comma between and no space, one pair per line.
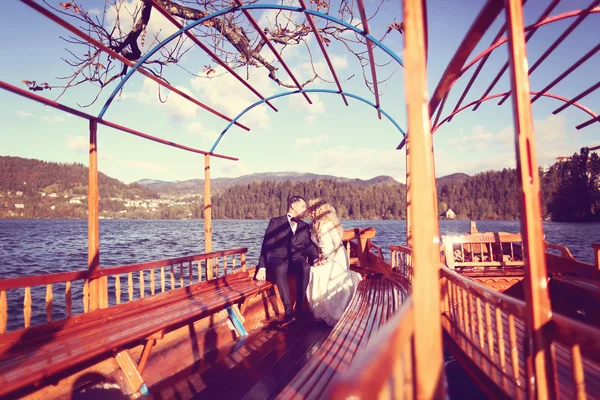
80,114
208,51
273,49
577,98
572,68
486,17
477,71
543,16
495,96
365,23
311,22
584,13
119,57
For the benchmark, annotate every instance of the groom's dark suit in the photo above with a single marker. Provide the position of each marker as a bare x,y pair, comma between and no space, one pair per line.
283,252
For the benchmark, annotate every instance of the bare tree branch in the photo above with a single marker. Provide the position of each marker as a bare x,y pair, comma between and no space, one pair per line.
231,37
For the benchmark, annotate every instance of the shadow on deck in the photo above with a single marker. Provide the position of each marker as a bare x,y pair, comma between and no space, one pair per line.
258,366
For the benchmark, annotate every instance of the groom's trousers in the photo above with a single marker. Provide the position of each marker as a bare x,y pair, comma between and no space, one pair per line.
278,270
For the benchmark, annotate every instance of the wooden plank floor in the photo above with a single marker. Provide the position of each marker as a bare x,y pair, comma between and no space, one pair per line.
257,367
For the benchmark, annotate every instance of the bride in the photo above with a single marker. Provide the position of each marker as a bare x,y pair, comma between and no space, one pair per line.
332,284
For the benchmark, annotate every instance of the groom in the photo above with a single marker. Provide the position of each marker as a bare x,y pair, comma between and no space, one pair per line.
285,248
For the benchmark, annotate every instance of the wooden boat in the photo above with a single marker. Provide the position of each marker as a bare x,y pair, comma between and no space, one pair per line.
200,326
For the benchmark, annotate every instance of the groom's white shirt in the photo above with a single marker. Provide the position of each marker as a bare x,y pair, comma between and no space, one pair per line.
293,224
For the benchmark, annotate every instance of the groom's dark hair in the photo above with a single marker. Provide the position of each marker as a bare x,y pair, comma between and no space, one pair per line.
293,200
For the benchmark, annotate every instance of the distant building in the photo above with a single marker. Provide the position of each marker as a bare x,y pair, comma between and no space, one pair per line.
52,195
43,194
19,205
74,201
19,193
449,214
562,159
53,208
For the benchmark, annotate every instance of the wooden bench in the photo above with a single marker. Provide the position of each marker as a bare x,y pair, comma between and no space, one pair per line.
36,355
376,300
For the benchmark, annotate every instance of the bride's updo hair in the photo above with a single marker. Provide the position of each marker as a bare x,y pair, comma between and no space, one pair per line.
322,212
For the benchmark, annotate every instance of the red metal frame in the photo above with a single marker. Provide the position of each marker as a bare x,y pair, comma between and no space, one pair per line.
449,117
208,51
543,16
450,76
486,17
475,75
572,68
311,22
584,13
72,111
578,97
114,54
365,23
273,49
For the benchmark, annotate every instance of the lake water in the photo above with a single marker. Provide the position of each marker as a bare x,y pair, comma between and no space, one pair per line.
34,247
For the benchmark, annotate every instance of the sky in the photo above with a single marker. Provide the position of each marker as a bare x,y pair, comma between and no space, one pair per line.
326,137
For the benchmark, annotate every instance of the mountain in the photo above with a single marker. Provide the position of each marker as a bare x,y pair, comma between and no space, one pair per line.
32,177
457,178
196,186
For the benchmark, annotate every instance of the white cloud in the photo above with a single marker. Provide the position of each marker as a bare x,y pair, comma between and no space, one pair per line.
107,157
339,62
231,169
54,118
176,107
315,140
24,114
310,120
479,135
363,163
78,144
227,95
145,165
197,128
297,101
483,151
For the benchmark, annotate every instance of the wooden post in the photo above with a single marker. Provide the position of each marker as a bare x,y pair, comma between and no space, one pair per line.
596,247
536,278
408,199
207,217
93,223
429,363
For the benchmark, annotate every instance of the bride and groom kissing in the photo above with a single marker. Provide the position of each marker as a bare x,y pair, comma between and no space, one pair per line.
325,280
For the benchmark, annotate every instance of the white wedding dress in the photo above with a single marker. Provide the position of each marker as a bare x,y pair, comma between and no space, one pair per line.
332,284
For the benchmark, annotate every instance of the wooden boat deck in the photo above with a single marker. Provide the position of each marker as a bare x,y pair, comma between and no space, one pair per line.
257,367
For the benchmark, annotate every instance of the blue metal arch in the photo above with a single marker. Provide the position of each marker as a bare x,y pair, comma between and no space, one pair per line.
238,8
331,91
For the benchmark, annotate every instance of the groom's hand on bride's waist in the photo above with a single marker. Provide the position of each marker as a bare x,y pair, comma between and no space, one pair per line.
261,275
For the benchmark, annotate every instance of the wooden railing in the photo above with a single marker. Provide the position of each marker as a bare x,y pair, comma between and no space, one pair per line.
383,369
482,323
401,260
490,329
127,283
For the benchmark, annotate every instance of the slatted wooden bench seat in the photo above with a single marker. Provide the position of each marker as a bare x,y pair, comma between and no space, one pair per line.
376,300
33,355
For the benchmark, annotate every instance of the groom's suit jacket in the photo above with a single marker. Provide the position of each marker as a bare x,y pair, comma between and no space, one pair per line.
280,242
